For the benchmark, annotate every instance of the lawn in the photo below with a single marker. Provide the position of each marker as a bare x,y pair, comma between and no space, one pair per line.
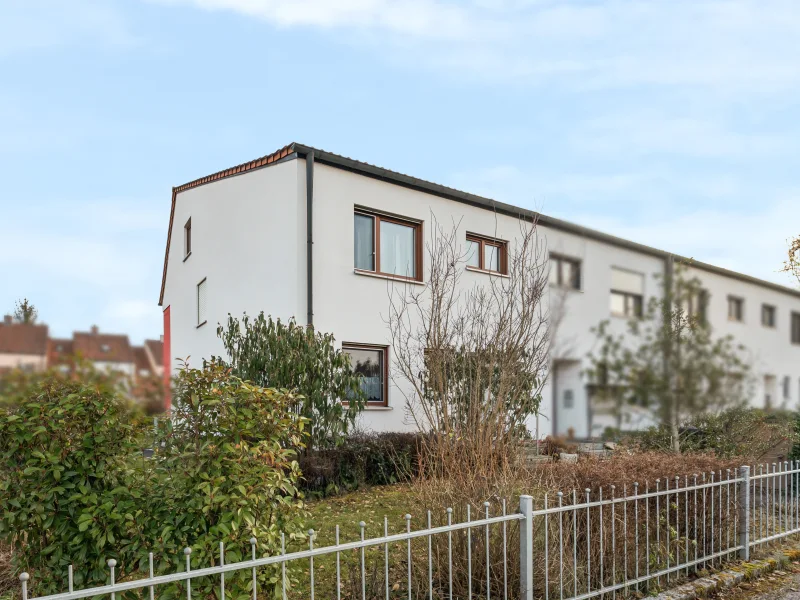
369,505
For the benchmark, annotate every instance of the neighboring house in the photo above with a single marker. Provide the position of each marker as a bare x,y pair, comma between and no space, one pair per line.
22,345
301,233
110,352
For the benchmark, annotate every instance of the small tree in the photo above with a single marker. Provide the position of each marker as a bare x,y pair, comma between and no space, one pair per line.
474,359
293,357
792,263
669,363
25,312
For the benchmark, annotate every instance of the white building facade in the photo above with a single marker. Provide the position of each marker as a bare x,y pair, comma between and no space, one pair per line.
308,234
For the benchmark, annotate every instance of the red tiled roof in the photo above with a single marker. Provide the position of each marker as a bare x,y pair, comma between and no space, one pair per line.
22,338
59,352
140,359
156,348
103,347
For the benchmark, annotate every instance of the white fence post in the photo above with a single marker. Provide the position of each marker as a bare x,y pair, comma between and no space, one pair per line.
526,548
744,513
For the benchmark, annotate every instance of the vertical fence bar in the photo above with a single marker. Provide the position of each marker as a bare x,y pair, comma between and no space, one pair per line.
408,558
705,534
253,556
696,537
588,545
713,503
505,556
526,548
283,566
600,510
613,539
560,545
361,526
450,553
546,551
221,575
658,529
686,523
728,513
71,583
188,553
667,507
385,557
430,556
636,527
574,512
760,502
339,565
677,525
23,578
647,534
469,554
113,563
310,563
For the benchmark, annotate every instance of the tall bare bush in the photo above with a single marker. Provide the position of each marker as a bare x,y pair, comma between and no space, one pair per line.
474,357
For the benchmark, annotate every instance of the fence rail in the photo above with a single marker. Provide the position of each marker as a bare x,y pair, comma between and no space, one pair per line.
571,547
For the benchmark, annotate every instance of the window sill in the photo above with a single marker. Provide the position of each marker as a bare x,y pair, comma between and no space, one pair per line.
730,320
377,407
201,324
397,278
185,258
487,272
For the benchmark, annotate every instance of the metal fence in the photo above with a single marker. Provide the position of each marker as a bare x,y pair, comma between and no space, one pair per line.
572,546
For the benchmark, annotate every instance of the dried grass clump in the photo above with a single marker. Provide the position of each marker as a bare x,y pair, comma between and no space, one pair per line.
7,581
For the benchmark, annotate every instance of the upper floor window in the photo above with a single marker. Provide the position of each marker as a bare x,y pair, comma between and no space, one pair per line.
694,306
187,238
387,245
767,315
627,293
201,303
565,272
795,328
735,308
487,254
370,364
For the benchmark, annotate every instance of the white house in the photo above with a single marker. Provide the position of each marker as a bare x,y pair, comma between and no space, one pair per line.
320,237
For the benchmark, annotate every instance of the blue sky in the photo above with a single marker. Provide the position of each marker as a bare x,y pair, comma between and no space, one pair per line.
674,123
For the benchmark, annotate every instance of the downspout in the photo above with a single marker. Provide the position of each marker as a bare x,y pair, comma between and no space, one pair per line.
310,236
555,398
666,316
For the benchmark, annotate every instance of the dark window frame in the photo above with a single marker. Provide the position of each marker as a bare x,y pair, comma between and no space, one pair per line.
794,327
557,259
187,239
197,299
769,309
502,253
376,243
739,302
384,350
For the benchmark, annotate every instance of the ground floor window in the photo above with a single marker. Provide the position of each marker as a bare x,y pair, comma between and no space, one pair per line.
370,363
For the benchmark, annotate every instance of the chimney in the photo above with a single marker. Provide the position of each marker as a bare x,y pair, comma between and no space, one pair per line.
7,320
94,330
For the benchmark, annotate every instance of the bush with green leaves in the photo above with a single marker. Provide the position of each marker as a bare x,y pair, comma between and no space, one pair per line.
79,490
295,357
63,494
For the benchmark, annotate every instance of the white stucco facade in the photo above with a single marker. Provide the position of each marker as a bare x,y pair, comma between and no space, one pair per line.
249,241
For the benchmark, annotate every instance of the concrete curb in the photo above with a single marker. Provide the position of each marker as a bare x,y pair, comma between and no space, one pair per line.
729,578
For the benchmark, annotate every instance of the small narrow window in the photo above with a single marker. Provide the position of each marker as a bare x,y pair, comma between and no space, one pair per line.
735,309
187,238
486,254
787,383
370,364
569,399
387,245
201,303
565,272
767,315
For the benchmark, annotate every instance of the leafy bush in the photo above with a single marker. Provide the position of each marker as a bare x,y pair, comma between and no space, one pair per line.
62,492
80,491
364,459
294,357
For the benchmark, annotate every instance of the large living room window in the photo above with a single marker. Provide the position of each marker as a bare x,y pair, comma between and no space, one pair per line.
387,245
370,364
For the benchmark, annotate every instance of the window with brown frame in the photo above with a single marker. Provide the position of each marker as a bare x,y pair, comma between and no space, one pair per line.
371,365
187,238
387,245
487,254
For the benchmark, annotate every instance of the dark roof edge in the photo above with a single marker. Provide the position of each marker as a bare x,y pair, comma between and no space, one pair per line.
296,150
